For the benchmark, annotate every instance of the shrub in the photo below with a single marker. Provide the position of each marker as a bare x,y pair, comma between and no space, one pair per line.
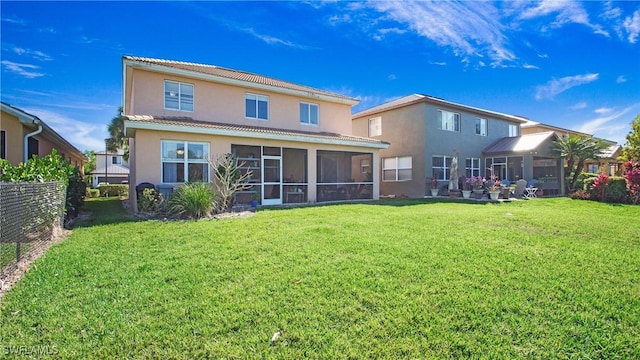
599,185
76,191
616,190
193,200
580,195
149,201
93,193
580,182
632,178
114,190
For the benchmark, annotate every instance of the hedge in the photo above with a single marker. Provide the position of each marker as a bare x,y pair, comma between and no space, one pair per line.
114,190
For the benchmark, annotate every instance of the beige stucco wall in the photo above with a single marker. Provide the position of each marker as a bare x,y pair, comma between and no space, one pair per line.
226,104
145,154
404,129
14,137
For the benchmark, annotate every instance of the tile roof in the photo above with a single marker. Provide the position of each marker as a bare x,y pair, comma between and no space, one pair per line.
236,75
256,130
518,144
611,151
417,98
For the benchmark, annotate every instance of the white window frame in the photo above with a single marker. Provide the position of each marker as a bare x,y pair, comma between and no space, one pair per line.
445,168
481,127
309,106
116,160
394,164
365,166
182,100
185,160
257,98
513,130
473,170
375,126
448,123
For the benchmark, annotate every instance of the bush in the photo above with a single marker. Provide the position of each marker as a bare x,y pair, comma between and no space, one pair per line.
193,200
616,191
149,201
580,195
580,182
76,191
93,193
114,190
632,178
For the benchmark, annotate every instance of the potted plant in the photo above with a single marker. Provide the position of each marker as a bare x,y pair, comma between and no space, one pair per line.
466,189
255,198
477,184
494,189
434,187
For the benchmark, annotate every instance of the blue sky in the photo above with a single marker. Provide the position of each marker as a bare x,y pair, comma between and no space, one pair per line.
569,64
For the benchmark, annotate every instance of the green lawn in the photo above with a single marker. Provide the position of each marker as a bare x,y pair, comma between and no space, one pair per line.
546,278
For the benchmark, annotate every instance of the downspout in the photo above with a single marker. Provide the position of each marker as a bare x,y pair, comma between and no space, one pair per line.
26,139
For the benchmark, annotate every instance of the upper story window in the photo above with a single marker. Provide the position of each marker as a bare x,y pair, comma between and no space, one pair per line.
448,120
513,130
256,106
178,96
116,160
309,113
375,126
397,168
481,127
184,161
3,144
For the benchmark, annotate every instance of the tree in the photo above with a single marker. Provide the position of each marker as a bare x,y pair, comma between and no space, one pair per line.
576,149
631,151
118,139
90,166
228,179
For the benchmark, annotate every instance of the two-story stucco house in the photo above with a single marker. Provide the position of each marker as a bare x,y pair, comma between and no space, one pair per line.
296,140
23,135
428,134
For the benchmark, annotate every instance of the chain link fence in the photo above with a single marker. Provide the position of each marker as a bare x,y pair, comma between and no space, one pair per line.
31,213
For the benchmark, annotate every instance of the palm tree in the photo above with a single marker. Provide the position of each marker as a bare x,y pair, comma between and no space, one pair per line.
576,149
117,139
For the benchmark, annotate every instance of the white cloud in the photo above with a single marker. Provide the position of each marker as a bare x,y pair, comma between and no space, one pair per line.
439,63
38,55
557,86
528,66
610,12
543,56
621,79
392,77
339,19
564,12
611,126
25,70
271,40
469,28
603,110
632,26
84,136
579,106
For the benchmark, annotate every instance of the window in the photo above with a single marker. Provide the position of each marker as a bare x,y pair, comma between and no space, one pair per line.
472,167
256,106
481,127
309,114
375,127
116,160
178,96
397,168
440,167
513,130
3,144
184,161
365,166
448,121
33,147
593,168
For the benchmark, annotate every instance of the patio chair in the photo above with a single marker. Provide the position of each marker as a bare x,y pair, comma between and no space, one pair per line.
518,192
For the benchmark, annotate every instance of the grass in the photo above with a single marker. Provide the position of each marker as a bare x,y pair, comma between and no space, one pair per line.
547,278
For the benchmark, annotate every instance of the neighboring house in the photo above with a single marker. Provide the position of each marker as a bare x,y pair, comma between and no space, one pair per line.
426,134
608,159
23,135
296,140
111,168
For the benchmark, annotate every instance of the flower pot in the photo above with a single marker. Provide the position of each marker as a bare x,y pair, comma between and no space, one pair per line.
466,194
254,203
478,193
434,192
494,194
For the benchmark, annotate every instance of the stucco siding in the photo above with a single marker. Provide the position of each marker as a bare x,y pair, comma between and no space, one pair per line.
14,137
226,104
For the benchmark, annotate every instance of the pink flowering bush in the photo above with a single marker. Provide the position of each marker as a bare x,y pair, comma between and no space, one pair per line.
632,178
599,186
